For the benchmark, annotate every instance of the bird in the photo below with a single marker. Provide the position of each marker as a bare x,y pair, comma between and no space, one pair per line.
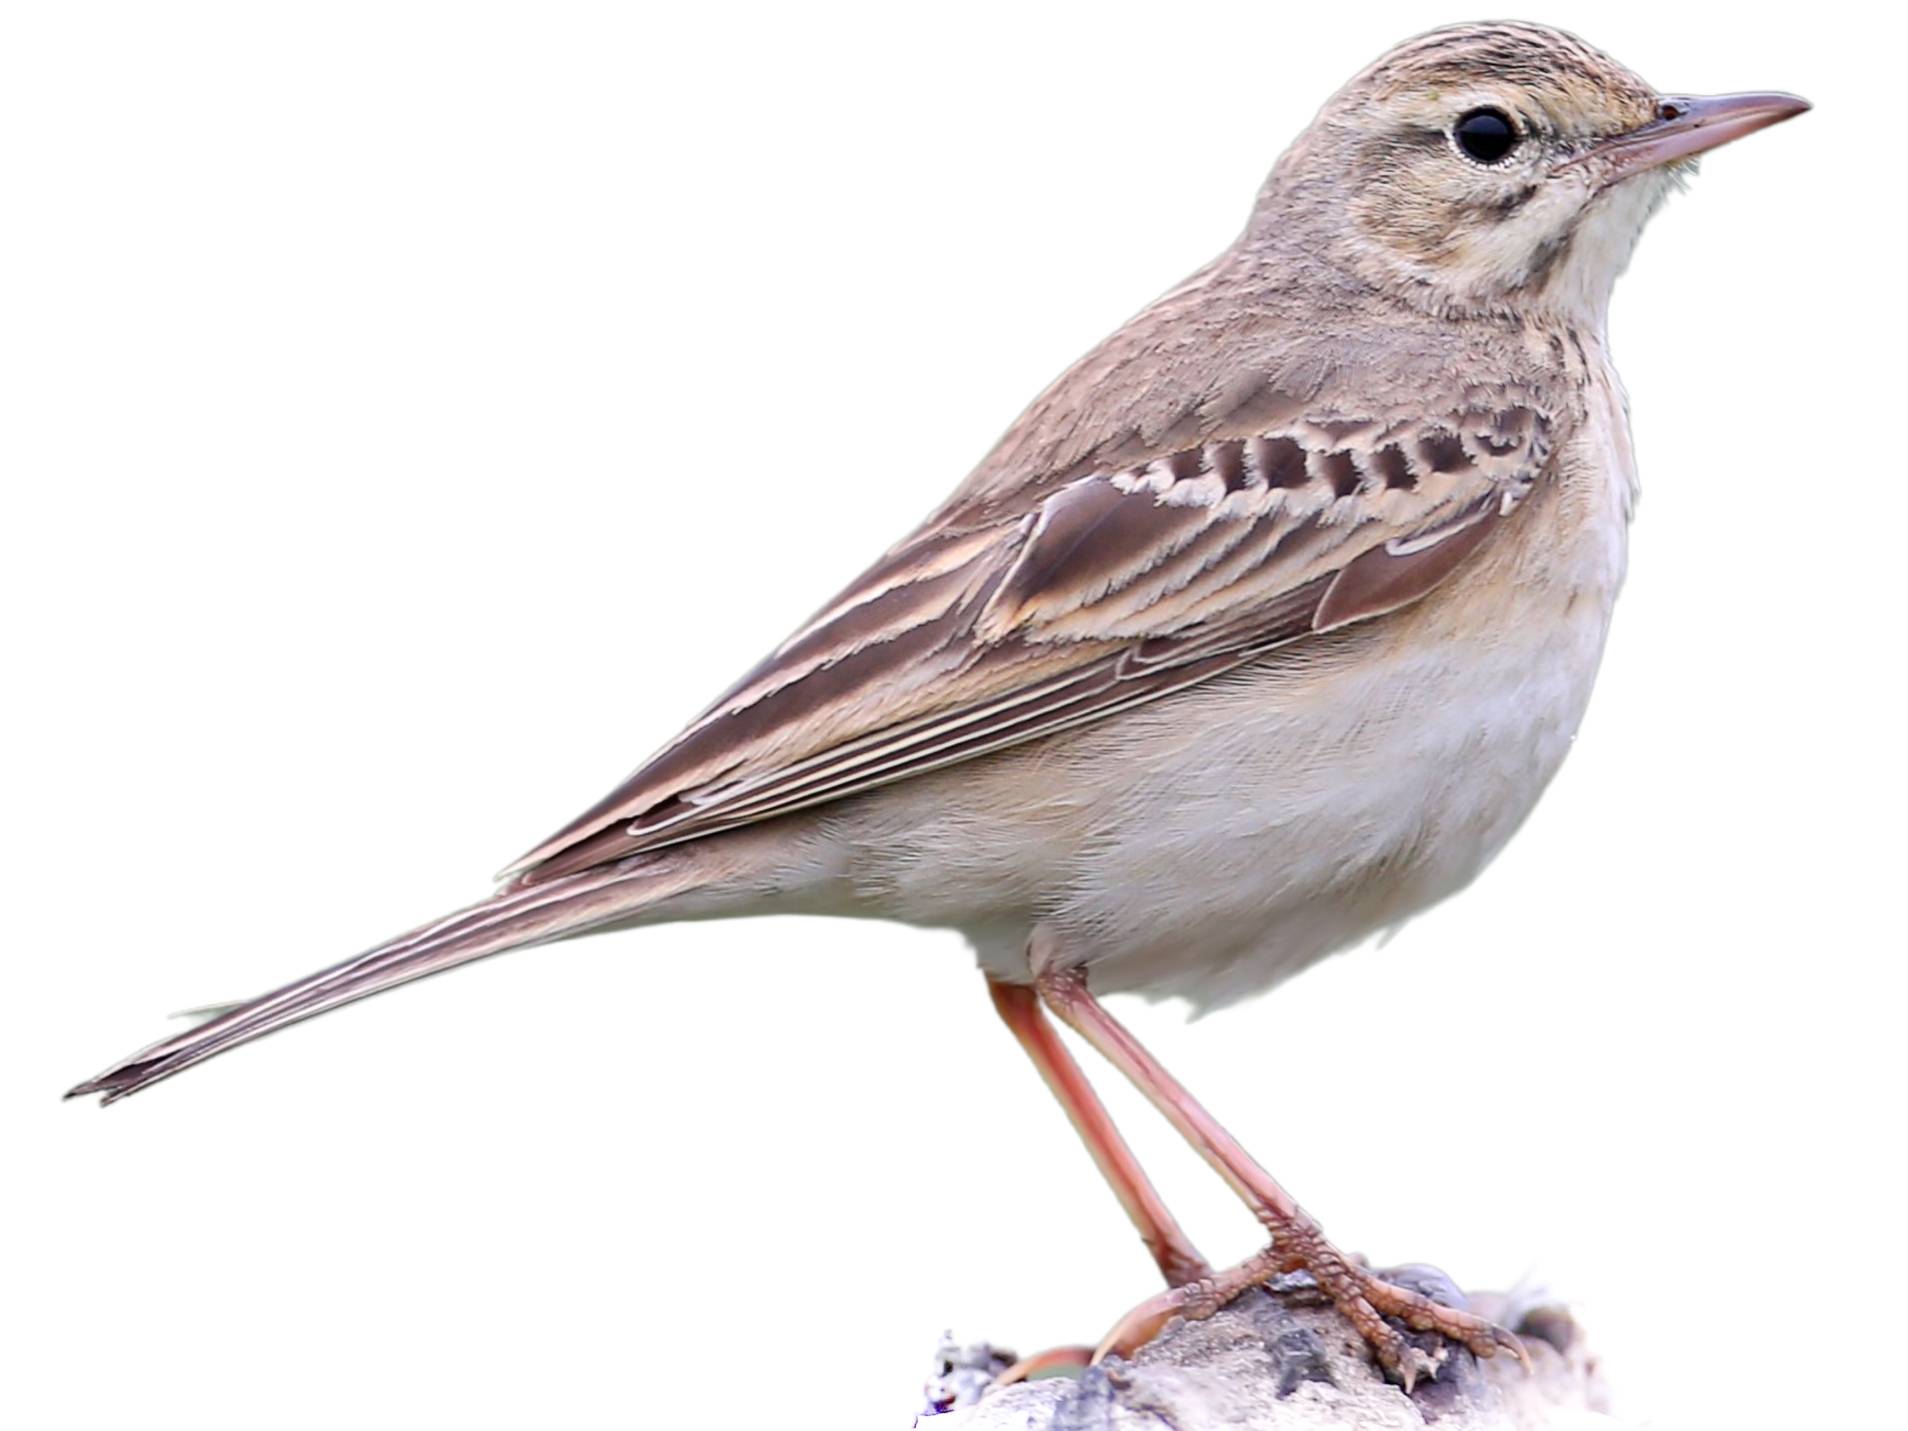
1260,631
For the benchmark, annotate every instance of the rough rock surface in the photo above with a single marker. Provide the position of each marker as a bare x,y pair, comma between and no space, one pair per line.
1282,1362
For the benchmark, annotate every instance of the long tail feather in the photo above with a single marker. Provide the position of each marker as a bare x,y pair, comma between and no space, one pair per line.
509,919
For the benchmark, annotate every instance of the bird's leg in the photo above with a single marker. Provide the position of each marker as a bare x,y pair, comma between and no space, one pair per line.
1365,1299
1179,1261
1019,1008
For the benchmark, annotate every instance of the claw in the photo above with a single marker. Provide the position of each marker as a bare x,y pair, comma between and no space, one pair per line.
1141,1325
1040,1363
1410,1365
1514,1344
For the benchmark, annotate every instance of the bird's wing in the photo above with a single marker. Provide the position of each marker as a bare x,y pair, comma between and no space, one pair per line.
989,628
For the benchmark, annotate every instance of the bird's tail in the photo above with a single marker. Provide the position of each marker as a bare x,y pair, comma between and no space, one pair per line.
510,919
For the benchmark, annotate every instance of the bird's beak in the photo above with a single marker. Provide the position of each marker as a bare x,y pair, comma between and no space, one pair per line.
1687,125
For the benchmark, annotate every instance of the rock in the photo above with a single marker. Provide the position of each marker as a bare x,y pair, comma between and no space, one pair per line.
1282,1362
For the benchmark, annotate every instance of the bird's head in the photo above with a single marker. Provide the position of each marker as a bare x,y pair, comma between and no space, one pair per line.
1499,167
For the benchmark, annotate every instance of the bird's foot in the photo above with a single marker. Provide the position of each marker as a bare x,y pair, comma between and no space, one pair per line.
1371,1304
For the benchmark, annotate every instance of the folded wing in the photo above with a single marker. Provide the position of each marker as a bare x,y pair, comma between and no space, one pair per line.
985,630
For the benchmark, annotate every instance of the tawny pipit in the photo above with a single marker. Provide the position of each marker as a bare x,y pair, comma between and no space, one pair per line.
1261,630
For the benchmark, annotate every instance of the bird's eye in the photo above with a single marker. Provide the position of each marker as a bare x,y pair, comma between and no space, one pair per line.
1486,135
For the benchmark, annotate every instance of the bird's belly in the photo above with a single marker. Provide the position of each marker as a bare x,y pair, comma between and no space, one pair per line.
1332,816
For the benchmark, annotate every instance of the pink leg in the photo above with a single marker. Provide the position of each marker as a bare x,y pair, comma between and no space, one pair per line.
1297,1243
1178,1260
1019,1008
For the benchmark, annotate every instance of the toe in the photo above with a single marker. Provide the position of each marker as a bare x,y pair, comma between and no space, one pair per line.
1053,1360
1420,1313
1142,1324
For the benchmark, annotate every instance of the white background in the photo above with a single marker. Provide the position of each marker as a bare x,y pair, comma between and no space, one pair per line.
413,413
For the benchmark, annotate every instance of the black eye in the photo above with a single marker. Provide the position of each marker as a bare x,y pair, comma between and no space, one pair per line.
1487,135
